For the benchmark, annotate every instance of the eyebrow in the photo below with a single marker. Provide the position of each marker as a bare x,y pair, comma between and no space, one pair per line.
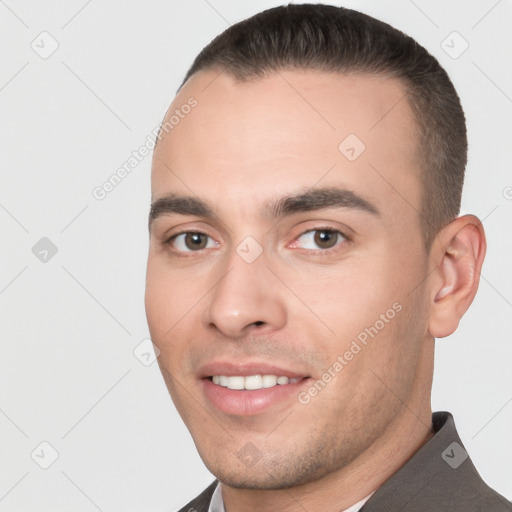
305,201
319,199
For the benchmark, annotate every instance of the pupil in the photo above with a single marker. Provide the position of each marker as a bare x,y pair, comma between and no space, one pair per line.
195,241
325,239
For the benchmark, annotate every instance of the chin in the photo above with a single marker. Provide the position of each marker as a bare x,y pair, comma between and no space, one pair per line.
266,473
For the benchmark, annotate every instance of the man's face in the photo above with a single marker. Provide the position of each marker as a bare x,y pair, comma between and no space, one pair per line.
329,283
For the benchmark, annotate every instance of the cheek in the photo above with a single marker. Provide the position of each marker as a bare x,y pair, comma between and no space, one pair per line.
170,295
364,303
163,307
172,301
349,297
157,301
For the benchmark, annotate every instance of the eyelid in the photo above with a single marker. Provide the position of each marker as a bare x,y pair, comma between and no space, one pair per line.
321,251
321,225
169,239
188,227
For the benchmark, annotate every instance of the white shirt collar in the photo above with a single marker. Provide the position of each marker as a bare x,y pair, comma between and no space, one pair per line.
217,504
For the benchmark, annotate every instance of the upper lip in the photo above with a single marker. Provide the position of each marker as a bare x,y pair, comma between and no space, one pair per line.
246,369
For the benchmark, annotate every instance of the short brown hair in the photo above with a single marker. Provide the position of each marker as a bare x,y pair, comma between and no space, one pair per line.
335,39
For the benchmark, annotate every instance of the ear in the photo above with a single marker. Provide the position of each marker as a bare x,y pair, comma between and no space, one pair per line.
457,255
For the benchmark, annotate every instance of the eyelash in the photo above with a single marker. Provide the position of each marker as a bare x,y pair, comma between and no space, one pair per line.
318,252
324,252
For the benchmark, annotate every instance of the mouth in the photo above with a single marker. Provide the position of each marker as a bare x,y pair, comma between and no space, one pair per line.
250,389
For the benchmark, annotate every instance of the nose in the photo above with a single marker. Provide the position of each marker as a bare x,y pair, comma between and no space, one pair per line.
246,297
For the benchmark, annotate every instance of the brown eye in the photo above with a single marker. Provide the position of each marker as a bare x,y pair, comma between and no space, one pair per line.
191,241
315,239
325,239
195,241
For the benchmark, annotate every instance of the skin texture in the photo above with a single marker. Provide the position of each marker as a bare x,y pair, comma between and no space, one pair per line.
299,306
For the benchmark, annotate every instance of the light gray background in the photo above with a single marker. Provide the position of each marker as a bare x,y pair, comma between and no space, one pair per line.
68,328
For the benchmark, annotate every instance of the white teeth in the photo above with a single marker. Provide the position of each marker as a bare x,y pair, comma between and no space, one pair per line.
236,382
269,381
252,381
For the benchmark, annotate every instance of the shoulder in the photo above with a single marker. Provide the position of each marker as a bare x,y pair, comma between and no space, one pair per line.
439,477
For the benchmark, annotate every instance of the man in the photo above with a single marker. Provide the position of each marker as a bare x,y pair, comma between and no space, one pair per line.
305,253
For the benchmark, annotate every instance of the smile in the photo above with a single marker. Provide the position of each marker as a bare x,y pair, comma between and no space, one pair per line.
252,382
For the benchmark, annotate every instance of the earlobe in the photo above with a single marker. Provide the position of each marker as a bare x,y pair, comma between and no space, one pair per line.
457,255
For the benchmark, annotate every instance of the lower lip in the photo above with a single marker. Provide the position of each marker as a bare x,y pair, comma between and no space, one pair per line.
250,402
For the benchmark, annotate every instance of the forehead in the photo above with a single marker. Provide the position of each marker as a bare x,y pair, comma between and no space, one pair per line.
288,130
